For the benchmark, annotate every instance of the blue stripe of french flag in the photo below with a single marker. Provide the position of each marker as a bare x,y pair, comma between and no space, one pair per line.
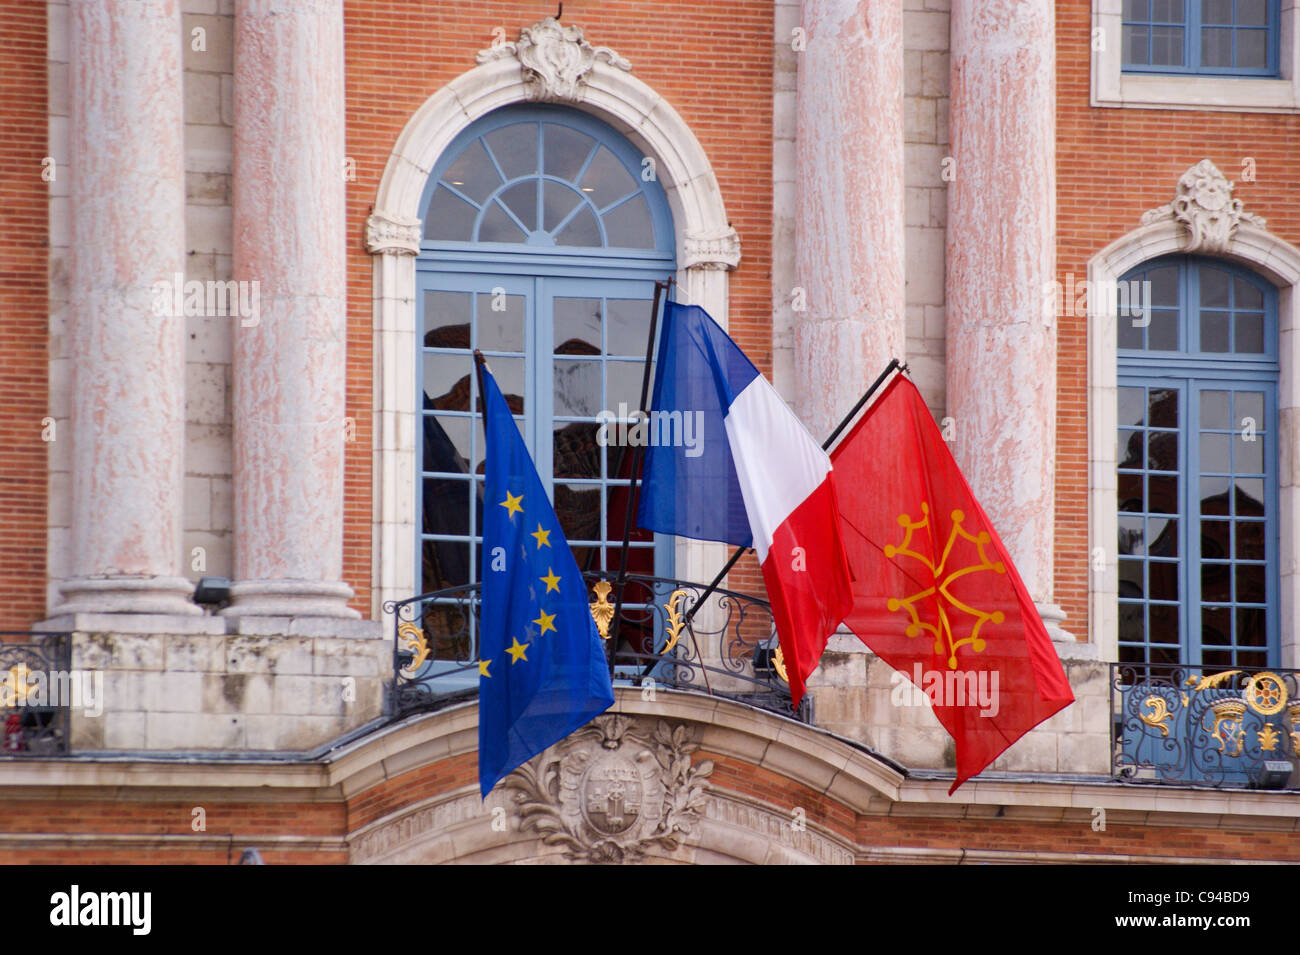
756,477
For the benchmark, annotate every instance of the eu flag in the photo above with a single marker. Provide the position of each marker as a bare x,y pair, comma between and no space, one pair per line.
542,669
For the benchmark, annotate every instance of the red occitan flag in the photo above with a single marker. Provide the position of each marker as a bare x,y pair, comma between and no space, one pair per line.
935,593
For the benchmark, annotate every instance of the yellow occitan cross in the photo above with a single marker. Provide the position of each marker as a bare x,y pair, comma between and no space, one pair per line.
544,621
483,668
513,503
550,580
543,537
517,651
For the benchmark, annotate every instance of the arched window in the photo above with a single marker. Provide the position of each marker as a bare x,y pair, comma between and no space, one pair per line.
544,232
1197,465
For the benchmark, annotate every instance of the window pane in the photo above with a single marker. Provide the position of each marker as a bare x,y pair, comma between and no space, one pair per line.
1164,624
1162,537
1130,448
577,452
1162,578
447,443
1249,499
1216,47
1130,334
623,380
581,230
447,318
557,202
1249,408
449,218
515,149
473,173
1249,335
564,150
500,322
1136,39
1214,454
521,199
1215,410
606,179
1216,626
1167,11
497,226
1166,46
1250,540
1130,578
1250,583
577,388
1246,296
1216,584
1164,286
1251,630
577,326
442,376
1162,450
629,225
1137,9
1214,287
1214,539
1252,12
1132,406
1130,497
1247,454
1163,408
1216,11
629,324
578,508
1130,536
1162,334
1214,495
1214,331
1162,495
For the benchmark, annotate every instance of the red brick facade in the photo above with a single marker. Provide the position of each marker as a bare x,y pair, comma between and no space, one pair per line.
24,310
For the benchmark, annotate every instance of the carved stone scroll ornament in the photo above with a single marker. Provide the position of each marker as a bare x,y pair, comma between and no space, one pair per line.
613,790
555,60
1204,206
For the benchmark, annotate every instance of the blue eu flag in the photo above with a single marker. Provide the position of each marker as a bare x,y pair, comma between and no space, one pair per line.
542,669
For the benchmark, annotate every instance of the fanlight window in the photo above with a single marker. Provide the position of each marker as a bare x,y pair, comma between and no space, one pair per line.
544,184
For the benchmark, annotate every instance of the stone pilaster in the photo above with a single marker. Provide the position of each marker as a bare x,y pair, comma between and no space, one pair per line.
1001,255
849,299
128,341
289,365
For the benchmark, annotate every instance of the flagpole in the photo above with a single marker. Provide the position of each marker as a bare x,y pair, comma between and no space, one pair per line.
894,363
662,288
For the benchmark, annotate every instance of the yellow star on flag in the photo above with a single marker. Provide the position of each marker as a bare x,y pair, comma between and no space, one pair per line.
483,668
543,537
517,651
544,621
513,503
550,580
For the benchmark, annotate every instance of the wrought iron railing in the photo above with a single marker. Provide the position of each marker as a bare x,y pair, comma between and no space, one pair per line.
1196,725
35,675
726,648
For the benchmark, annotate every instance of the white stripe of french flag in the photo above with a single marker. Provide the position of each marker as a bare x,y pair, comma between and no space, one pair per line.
784,476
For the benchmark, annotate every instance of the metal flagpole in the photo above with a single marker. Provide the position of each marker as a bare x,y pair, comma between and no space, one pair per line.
662,288
844,423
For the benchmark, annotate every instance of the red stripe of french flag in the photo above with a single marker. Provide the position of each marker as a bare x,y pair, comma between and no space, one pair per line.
784,476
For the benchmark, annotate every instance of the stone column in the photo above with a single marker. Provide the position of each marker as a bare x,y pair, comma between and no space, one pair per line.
128,341
1001,263
849,298
289,363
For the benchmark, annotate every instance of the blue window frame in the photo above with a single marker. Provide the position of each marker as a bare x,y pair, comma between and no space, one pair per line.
1197,467
1219,37
544,233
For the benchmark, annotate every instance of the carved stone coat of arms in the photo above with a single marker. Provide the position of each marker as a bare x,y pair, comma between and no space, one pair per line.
612,790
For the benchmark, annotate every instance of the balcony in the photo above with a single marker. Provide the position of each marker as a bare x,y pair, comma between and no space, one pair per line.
662,634
1193,726
37,693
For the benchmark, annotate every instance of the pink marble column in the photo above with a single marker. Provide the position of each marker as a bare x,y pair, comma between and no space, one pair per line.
849,194
1001,259
128,357
289,367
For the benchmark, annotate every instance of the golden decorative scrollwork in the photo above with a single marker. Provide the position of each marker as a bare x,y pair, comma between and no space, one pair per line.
1227,725
1293,714
1159,714
778,664
416,642
1214,680
1268,738
1265,693
676,622
602,611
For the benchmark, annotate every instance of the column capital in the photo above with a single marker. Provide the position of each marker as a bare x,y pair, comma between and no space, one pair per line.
720,250
388,234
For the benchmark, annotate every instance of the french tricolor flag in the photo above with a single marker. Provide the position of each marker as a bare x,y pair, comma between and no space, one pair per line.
754,476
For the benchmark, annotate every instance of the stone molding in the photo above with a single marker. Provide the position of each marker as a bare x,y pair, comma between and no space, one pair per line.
1204,206
720,251
392,234
555,60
